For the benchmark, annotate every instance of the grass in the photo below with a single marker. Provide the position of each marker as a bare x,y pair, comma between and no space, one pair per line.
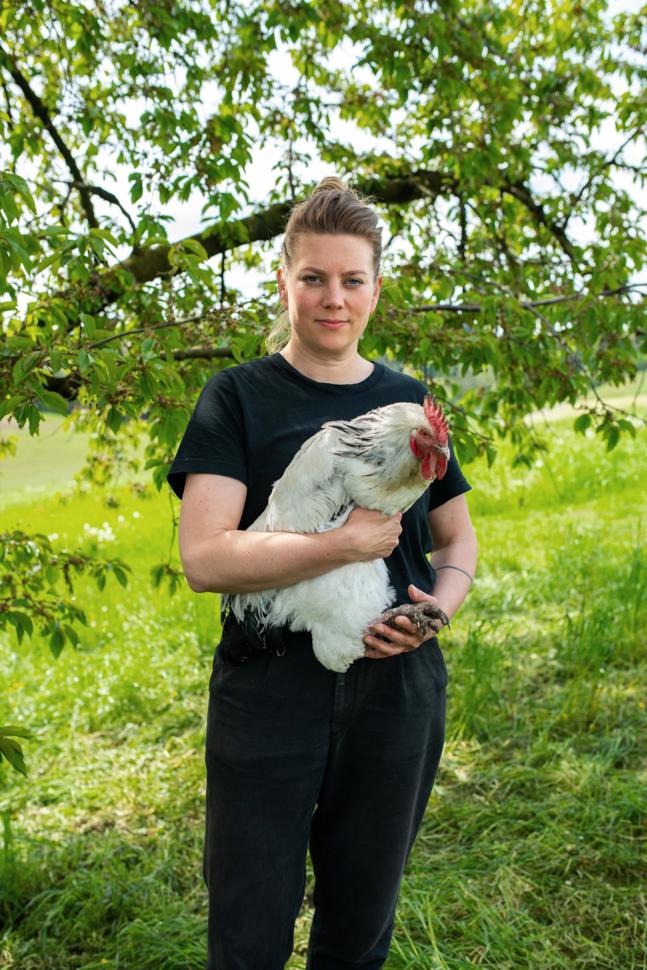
41,463
529,855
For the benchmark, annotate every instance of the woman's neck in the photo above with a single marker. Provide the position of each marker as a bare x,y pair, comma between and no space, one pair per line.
347,370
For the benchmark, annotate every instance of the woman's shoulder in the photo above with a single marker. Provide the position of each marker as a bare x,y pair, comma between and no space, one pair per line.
405,384
237,376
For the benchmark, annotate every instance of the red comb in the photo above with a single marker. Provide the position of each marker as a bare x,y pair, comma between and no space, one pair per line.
436,418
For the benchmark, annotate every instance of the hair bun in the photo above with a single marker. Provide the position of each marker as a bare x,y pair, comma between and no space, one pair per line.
331,184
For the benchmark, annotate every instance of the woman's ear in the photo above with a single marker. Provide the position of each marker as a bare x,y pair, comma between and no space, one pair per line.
376,293
283,286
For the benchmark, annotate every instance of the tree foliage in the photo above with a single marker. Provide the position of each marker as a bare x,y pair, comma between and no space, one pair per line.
499,141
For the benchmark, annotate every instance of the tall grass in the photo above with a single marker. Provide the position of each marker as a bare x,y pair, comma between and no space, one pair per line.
529,855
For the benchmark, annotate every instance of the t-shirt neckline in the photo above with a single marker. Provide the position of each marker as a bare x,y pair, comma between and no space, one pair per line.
296,375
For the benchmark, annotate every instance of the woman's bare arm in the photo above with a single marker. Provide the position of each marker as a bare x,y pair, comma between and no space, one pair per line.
218,557
455,545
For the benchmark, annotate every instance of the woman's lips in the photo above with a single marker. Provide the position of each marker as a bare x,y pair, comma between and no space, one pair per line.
332,324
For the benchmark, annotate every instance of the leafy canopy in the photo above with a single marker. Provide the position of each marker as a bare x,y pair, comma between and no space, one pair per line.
500,141
486,128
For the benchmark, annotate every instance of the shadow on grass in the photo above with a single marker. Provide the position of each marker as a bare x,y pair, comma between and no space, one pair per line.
101,899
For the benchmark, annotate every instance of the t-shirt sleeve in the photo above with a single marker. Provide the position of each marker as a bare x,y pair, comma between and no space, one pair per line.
452,483
214,440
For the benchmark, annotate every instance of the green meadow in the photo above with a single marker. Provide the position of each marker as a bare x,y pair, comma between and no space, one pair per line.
530,853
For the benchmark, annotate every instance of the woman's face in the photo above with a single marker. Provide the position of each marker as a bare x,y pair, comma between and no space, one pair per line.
329,291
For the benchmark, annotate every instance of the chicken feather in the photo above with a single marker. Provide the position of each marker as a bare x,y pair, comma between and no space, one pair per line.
382,460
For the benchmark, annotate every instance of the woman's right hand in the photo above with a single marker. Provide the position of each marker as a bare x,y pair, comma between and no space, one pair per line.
371,535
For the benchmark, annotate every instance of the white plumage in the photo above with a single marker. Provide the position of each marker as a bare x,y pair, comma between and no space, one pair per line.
381,460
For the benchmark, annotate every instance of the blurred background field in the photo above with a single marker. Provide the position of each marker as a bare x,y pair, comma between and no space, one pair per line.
530,851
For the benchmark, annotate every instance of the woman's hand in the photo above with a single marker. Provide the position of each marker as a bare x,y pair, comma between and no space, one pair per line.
402,640
371,535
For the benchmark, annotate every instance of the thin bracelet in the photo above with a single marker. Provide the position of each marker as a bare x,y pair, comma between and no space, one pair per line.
471,578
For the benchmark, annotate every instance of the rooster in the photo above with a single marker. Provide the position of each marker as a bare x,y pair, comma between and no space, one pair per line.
382,460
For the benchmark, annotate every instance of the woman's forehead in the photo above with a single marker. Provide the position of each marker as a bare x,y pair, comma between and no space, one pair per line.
334,252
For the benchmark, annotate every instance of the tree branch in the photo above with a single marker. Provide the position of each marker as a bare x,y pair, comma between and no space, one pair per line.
608,162
68,385
522,193
152,262
103,194
203,353
149,263
8,103
41,112
528,305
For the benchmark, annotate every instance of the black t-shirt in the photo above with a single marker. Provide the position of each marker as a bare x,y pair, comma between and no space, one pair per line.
250,420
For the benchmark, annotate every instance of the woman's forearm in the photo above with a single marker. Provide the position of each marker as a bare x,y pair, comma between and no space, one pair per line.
452,585
235,561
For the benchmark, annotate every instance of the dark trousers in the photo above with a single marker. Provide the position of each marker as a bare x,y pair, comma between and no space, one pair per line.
299,755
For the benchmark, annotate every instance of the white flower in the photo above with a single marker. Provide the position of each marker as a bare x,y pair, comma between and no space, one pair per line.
103,534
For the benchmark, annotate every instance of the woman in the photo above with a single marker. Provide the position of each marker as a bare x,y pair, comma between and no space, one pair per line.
296,754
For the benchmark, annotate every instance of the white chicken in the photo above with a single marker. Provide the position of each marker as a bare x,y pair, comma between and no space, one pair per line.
382,460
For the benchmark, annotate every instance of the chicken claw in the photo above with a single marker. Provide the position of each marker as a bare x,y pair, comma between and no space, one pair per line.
426,617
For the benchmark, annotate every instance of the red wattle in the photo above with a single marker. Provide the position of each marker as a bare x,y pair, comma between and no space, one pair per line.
413,444
427,468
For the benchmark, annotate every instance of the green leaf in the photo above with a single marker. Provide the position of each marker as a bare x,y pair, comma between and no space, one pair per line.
121,576
195,246
57,642
85,361
625,425
53,401
113,419
157,574
136,187
21,622
24,365
71,634
52,260
582,423
613,437
12,751
16,731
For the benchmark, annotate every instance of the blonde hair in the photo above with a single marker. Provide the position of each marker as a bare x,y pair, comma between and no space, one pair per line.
332,208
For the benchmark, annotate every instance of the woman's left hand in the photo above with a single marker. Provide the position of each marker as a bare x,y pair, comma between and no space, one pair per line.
402,640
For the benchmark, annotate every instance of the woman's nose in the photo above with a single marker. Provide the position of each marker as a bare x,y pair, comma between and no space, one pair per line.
333,294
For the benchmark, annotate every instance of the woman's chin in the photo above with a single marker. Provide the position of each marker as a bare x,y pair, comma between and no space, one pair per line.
338,340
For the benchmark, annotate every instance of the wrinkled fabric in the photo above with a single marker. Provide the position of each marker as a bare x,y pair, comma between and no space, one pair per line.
298,755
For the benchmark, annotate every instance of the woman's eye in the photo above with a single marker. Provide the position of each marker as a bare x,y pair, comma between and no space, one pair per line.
313,278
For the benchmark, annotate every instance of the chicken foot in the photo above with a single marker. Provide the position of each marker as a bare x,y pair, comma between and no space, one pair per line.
426,617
